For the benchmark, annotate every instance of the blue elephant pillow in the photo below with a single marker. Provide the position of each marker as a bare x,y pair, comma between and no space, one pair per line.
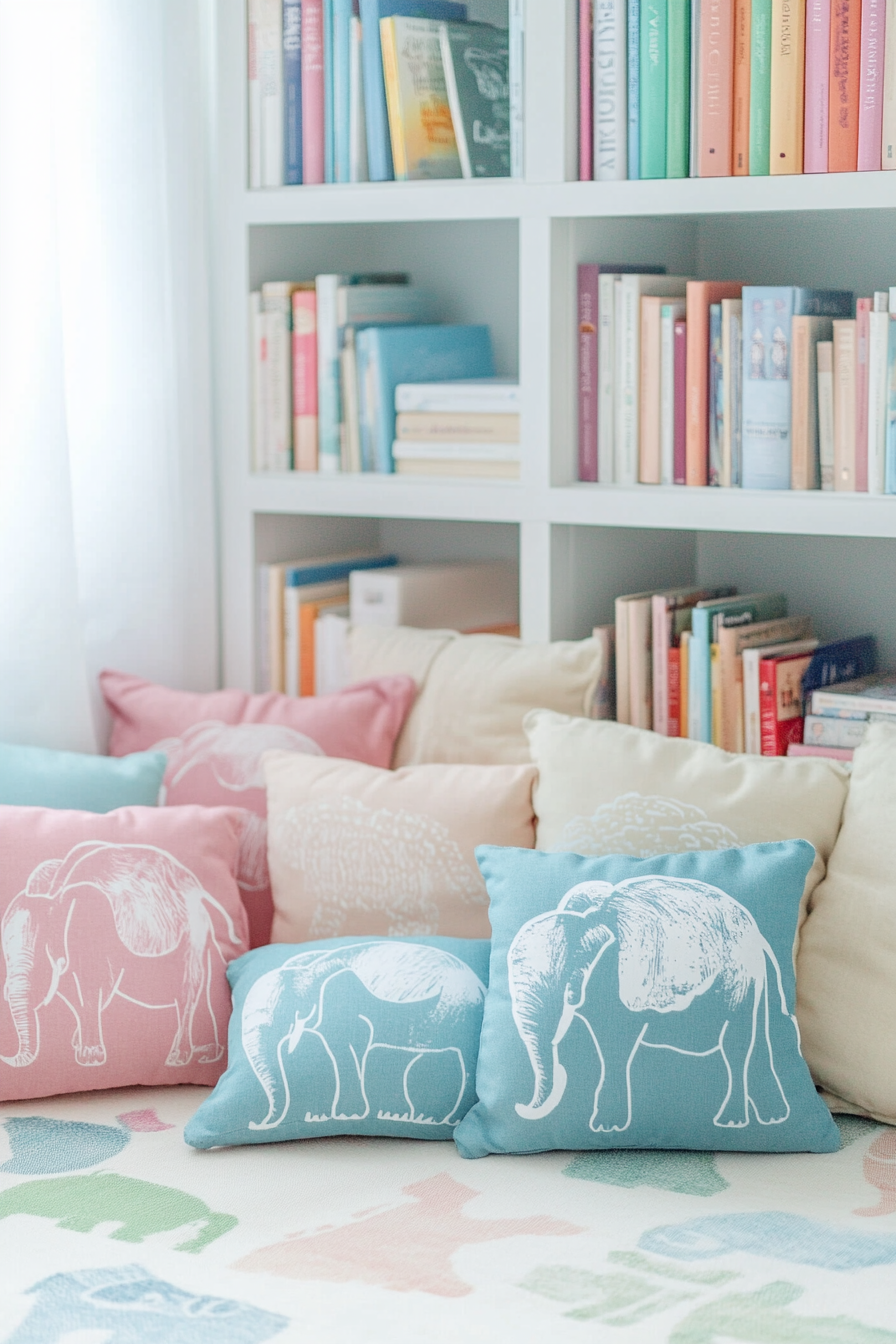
374,1036
644,1003
39,777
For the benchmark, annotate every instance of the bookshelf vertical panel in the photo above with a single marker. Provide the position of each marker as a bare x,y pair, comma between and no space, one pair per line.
535,581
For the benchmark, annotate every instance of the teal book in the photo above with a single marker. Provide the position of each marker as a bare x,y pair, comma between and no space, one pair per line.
476,61
708,619
653,72
760,86
678,87
890,458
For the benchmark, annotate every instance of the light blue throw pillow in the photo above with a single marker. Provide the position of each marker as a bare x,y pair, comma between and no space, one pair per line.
349,1036
38,777
644,1003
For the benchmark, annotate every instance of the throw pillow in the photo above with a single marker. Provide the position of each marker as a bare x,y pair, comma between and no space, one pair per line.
847,958
214,744
476,689
354,850
38,777
605,788
349,1036
644,1003
116,931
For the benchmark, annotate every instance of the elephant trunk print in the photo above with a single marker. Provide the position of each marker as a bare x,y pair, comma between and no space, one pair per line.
653,962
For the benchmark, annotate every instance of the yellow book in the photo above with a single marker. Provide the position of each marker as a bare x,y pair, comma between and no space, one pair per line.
787,87
715,672
420,125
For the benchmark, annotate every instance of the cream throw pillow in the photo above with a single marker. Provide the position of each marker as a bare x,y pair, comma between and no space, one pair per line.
355,850
605,788
846,982
475,689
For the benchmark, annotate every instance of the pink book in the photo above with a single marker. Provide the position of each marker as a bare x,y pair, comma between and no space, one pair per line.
586,155
818,83
304,379
863,308
312,92
680,448
871,89
832,753
587,339
715,75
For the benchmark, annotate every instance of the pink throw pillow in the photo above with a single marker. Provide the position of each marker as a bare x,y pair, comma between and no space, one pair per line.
116,931
215,742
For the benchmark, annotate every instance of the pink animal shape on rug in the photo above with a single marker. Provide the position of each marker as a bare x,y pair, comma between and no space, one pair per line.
407,1249
879,1166
143,1122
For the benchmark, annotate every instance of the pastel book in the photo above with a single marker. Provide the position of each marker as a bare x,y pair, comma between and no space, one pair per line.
708,620
421,128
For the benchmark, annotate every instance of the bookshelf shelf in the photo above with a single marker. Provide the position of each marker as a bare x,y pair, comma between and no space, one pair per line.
386,497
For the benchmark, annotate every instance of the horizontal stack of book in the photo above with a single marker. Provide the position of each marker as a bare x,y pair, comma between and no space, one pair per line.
838,718
733,670
722,88
304,609
327,357
699,382
372,90
469,429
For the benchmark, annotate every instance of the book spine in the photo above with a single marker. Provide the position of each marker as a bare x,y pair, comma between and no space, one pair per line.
258,353
640,664
253,93
308,612
393,99
586,94
304,379
517,41
379,146
715,418
610,85
818,71
802,473
878,323
329,98
652,98
716,61
740,113
825,356
649,392
890,454
888,111
700,674
358,170
768,707
845,404
767,322
270,74
628,368
660,638
678,86
634,90
312,91
735,370
667,397
328,442
760,86
674,728
715,692
587,342
697,384
871,86
863,314
623,699
786,106
694,109
279,383
681,403
843,120
292,92
606,376
342,41
684,681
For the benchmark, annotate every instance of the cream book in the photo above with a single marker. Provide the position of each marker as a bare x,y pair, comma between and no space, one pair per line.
825,353
845,404
805,333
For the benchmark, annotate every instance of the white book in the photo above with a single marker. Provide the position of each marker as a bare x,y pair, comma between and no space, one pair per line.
254,92
610,93
276,302
888,146
752,723
628,364
606,377
517,54
258,380
357,120
328,411
669,315
463,452
456,597
480,396
878,332
824,353
331,666
351,412
269,56
732,401
693,152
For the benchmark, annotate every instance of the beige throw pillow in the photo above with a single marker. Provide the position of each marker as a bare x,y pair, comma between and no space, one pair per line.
605,788
476,689
354,850
846,981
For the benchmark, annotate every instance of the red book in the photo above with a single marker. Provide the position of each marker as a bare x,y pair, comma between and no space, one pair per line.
843,117
586,153
674,725
304,379
863,308
681,403
781,701
587,345
312,92
715,75
701,294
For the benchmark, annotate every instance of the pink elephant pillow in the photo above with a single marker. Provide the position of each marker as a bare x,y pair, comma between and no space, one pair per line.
215,742
116,932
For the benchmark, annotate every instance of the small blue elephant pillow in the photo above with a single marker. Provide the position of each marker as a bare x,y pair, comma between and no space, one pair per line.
644,1003
374,1036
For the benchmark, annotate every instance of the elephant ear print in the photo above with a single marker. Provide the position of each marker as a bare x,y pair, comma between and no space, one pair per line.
231,751
643,826
40,882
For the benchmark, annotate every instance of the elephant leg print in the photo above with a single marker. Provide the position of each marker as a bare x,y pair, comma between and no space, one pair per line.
420,1002
651,963
110,922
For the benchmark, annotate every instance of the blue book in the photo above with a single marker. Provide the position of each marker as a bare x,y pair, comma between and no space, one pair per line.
708,618
292,93
844,660
329,137
302,576
890,452
634,90
379,145
768,311
342,20
388,356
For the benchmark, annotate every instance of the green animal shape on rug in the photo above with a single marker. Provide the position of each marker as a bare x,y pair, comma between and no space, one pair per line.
764,1317
81,1203
684,1173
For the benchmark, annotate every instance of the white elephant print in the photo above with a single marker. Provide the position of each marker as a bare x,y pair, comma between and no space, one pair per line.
644,826
398,865
232,751
653,962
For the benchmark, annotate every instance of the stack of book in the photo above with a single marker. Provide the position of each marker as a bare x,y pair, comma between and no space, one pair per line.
696,382
721,88
469,429
733,670
838,718
327,356
371,90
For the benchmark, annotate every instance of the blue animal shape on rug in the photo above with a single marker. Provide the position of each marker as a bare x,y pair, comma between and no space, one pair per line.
42,1146
682,1172
127,1305
777,1236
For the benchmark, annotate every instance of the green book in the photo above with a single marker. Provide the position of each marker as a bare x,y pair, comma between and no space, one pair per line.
476,61
760,86
678,88
652,117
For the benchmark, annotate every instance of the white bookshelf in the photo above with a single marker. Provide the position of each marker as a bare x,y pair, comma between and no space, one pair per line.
505,253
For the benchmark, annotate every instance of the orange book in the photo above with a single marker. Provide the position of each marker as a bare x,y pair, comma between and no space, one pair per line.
650,430
843,118
740,114
308,614
714,73
700,294
788,87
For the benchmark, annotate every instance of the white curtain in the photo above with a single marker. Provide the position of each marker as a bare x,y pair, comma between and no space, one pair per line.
106,486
